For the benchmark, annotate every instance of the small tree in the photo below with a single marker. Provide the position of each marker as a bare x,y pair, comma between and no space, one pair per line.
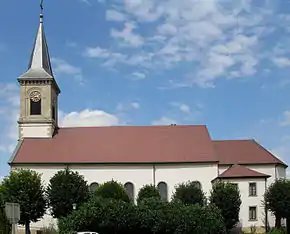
148,191
25,187
226,197
277,198
189,193
113,190
65,189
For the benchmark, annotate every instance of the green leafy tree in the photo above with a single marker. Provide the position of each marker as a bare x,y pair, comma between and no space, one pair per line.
148,191
226,197
5,227
112,190
189,193
25,187
277,198
65,189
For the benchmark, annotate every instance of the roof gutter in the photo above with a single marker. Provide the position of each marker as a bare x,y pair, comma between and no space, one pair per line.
12,158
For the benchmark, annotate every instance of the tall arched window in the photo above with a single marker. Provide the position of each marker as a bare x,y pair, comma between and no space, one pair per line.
130,190
35,103
94,186
162,188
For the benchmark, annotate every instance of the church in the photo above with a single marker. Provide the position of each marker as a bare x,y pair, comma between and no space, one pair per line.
134,155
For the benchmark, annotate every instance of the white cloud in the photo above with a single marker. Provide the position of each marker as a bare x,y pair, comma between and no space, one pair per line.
128,37
219,38
86,2
138,75
113,15
182,107
286,121
127,106
164,121
63,67
9,113
86,118
281,61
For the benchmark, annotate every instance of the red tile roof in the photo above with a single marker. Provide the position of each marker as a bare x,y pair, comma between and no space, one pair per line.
243,152
238,171
120,144
139,144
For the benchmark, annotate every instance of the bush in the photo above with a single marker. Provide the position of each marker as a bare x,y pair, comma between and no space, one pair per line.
189,193
112,190
278,231
102,216
150,216
148,191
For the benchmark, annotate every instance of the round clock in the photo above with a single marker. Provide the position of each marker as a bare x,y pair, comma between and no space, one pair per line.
35,96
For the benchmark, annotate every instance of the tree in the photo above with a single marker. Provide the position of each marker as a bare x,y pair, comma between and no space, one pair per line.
189,193
277,198
148,191
112,190
226,197
65,189
4,223
25,187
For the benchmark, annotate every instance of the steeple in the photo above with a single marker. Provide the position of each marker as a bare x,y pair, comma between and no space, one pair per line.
39,65
38,92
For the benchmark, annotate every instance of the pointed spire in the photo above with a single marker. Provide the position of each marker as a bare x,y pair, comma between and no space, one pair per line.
39,65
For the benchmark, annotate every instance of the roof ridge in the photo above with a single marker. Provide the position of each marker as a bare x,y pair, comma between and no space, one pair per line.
136,126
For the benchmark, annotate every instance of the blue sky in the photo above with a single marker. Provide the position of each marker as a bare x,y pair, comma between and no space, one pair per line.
221,63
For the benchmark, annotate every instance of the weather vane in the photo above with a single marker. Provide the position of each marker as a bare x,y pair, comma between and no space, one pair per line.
41,6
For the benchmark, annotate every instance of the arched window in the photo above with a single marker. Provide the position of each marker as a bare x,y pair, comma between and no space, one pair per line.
130,190
94,186
35,103
197,184
162,188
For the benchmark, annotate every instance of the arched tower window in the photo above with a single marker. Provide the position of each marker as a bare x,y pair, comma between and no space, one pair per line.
35,103
93,186
162,188
129,187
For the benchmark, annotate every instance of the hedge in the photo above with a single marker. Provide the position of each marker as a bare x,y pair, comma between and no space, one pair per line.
112,216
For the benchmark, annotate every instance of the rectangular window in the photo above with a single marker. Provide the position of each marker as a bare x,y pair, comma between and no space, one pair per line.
53,112
35,107
252,189
252,213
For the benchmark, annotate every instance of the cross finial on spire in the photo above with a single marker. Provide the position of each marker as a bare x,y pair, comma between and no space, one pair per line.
41,10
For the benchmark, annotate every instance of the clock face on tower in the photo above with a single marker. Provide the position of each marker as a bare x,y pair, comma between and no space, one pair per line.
35,96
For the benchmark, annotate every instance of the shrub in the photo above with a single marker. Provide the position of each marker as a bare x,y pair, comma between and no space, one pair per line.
278,231
112,190
150,216
189,193
101,215
148,191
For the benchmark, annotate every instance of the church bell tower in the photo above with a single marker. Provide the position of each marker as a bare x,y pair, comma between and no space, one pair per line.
38,93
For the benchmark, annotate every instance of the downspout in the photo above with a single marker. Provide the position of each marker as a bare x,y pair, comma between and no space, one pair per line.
154,176
266,209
